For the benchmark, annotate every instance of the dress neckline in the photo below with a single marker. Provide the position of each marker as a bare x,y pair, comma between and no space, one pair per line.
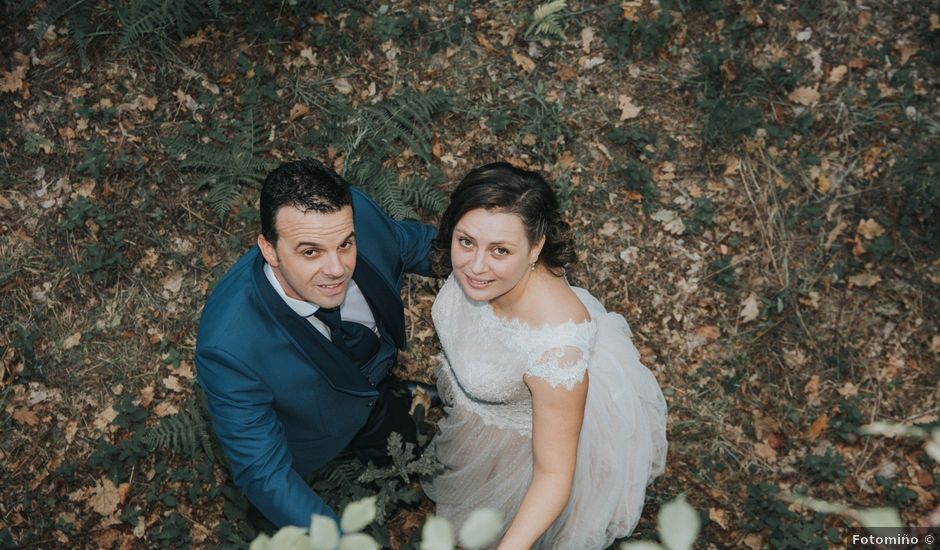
518,324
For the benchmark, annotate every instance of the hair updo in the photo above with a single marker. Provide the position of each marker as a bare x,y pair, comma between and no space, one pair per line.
501,187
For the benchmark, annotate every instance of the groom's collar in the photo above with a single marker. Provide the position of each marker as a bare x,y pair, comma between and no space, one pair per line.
300,307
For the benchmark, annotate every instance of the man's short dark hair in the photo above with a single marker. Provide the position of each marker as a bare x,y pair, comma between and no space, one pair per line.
305,184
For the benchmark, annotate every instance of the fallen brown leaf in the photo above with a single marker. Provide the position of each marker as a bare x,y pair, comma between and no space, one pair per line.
172,383
765,451
25,416
811,389
837,74
524,62
106,497
482,40
870,229
72,340
627,109
804,96
299,110
750,308
709,332
719,516
818,427
864,280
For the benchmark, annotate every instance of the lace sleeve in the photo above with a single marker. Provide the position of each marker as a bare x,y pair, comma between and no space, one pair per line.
560,366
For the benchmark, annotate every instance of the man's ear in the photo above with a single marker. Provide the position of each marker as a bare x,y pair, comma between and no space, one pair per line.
268,251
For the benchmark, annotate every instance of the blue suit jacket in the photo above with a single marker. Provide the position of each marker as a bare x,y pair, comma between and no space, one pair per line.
284,401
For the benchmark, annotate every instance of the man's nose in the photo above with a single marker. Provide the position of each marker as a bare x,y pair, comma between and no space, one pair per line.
334,267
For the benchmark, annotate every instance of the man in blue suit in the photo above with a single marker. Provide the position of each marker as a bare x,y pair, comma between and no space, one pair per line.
297,338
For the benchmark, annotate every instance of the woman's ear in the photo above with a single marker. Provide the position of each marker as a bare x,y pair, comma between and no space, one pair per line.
536,250
268,251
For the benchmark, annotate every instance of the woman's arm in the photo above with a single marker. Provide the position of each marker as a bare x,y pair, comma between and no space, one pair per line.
557,413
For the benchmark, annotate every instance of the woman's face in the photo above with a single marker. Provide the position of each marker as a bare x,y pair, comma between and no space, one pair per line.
491,254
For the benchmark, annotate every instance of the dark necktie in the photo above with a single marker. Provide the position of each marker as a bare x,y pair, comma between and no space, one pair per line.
357,341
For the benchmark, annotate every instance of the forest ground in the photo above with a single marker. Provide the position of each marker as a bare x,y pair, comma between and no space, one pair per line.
753,185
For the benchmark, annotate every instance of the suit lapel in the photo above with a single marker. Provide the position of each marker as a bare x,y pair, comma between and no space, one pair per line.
385,301
338,370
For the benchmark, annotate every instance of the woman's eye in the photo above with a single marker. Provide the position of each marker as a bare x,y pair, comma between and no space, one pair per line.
500,251
465,243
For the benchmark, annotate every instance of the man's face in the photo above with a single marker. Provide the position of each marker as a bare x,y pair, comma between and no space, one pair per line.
315,254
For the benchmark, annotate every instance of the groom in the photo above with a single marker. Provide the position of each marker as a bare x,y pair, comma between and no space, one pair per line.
297,338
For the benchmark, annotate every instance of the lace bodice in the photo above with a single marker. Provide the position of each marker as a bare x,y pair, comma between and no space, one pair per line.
486,358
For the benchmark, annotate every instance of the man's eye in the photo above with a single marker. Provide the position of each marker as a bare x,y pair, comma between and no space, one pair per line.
310,252
346,245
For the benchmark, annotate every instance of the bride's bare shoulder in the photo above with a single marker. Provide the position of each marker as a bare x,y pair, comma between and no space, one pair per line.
555,303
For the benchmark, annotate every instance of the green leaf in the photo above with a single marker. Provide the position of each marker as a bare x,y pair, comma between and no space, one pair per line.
358,541
678,524
324,533
437,534
290,538
358,514
879,517
481,528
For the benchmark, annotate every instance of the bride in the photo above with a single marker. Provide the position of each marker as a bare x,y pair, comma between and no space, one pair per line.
550,416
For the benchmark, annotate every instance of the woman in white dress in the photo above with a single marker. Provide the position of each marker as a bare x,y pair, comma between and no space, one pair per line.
550,416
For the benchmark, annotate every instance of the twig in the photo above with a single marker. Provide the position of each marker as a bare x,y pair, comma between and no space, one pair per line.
205,221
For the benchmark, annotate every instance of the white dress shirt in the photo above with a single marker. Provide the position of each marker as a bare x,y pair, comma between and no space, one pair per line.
354,307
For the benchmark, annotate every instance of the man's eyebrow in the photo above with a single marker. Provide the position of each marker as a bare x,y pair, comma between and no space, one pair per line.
352,235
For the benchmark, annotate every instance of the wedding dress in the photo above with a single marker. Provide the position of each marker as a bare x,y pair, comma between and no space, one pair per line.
485,439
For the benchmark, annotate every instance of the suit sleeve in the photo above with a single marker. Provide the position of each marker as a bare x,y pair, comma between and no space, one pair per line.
413,238
245,422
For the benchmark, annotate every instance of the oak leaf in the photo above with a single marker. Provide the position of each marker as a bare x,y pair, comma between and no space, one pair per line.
812,387
837,74
523,61
12,80
343,86
804,96
107,497
719,516
765,451
104,418
864,280
818,427
297,111
935,344
627,108
172,383
173,282
750,308
25,416
870,229
72,340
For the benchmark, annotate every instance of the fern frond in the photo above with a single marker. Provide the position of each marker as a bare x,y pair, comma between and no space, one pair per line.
407,117
424,195
545,19
145,17
184,432
77,13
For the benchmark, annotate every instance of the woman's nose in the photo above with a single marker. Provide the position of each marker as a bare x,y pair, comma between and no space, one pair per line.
478,265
